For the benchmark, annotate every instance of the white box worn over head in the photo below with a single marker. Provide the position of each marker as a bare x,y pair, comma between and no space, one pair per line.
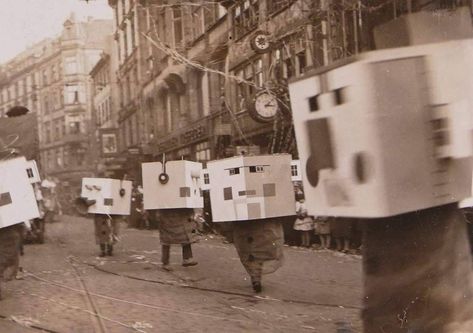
112,196
387,133
177,184
17,198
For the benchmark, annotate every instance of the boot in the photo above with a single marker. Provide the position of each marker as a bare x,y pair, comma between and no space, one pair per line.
102,250
257,287
110,249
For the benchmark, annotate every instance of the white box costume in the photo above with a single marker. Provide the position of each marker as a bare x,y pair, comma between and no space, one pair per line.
112,196
250,187
174,185
17,198
388,133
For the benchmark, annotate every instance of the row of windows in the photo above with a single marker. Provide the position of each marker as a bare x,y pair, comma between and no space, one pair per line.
61,157
31,82
246,14
56,129
104,112
252,169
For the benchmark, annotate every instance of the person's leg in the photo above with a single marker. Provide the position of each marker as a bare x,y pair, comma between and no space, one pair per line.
322,242
187,259
338,241
110,249
307,238
165,254
256,275
102,250
346,244
328,239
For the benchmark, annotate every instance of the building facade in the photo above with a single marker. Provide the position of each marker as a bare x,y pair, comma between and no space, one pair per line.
52,79
204,80
104,120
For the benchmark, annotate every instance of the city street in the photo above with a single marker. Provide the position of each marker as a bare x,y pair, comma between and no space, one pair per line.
68,288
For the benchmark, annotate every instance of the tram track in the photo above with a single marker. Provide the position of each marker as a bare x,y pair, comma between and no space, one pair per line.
218,291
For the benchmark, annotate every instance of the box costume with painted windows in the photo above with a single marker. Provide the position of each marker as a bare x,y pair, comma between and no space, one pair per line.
111,196
388,133
253,192
250,187
174,185
17,198
173,189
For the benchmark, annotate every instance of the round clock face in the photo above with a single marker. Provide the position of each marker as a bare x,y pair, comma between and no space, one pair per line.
261,42
266,106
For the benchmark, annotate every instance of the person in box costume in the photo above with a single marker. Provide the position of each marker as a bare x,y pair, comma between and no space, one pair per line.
254,193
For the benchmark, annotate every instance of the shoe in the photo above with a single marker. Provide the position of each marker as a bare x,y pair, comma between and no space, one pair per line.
189,262
167,267
257,286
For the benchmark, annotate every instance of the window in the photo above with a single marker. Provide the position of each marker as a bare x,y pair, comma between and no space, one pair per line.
269,190
202,152
301,62
275,6
53,73
257,168
248,192
294,171
46,105
30,173
132,32
70,65
57,129
47,132
258,68
73,95
291,59
204,94
234,171
45,77
245,17
198,22
252,72
177,25
74,127
227,193
185,192
206,179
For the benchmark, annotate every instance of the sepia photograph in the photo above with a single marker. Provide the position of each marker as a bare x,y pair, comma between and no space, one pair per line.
236,166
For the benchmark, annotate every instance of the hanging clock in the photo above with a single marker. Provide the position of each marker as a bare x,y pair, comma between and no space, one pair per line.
260,42
264,106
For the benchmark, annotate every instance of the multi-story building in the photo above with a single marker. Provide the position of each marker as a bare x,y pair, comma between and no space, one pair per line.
105,107
202,80
52,78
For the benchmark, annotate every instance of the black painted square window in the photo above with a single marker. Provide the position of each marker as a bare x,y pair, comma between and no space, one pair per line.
234,171
185,192
227,193
269,190
5,199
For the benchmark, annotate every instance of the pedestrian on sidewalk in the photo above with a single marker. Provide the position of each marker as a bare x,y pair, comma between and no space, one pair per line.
304,223
176,226
341,230
322,229
259,244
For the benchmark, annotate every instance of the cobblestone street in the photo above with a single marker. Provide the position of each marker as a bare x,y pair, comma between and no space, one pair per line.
67,288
